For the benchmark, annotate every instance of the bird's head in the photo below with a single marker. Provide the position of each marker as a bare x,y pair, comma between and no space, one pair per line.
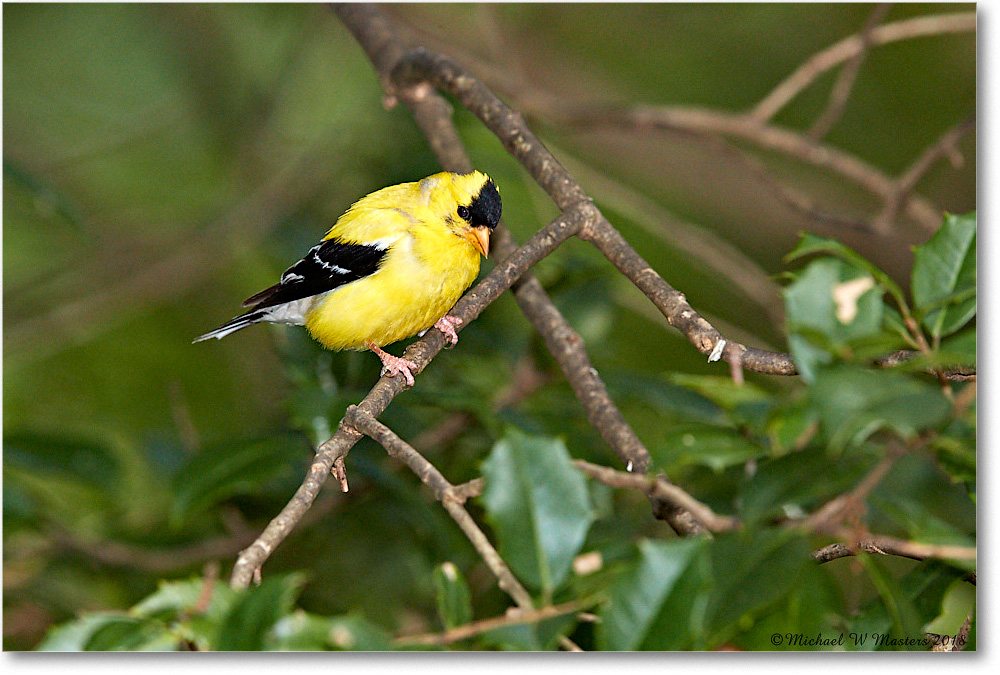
473,204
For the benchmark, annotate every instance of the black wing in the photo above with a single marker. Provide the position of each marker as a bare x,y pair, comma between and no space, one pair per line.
326,266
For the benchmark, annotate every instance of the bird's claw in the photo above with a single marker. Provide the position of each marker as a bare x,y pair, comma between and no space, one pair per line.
393,365
447,324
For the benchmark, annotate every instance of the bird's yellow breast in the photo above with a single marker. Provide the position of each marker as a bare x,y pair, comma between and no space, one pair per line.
426,269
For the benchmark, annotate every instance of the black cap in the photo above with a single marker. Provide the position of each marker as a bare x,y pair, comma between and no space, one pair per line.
485,208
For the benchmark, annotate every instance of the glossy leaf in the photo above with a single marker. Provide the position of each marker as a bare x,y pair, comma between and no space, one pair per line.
900,614
752,569
703,445
453,600
796,484
255,612
854,403
301,631
539,506
658,603
944,272
824,316
75,635
812,244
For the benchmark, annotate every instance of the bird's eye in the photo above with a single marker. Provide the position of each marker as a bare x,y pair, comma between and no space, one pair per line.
463,213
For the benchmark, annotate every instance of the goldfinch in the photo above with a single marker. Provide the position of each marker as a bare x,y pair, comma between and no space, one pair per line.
389,268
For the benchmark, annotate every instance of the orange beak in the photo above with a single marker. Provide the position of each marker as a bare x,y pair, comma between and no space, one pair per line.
479,237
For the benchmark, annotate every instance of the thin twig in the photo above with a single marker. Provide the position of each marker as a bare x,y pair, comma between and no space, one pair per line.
660,488
891,546
766,135
715,252
513,618
848,74
850,47
837,509
945,146
445,493
162,561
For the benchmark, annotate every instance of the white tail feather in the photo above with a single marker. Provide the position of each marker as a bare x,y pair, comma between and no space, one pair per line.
231,326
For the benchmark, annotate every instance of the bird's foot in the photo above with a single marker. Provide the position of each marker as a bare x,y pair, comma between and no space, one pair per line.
446,324
393,365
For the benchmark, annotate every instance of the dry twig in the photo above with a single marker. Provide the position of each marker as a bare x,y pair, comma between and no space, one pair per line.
514,618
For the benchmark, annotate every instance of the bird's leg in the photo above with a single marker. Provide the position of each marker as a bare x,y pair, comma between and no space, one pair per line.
446,324
394,364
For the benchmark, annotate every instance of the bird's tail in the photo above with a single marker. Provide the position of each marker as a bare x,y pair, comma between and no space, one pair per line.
233,325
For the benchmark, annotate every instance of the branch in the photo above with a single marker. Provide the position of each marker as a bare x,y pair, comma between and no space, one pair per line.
745,127
906,183
850,47
445,493
892,546
160,561
514,618
848,75
660,488
838,508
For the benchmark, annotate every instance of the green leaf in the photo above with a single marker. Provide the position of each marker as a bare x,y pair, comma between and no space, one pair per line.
810,243
541,636
722,391
944,271
958,602
854,403
798,483
539,506
73,636
110,631
812,609
752,569
453,600
960,349
904,622
657,604
919,500
255,612
301,631
703,445
830,306
673,399
903,606
791,426
132,634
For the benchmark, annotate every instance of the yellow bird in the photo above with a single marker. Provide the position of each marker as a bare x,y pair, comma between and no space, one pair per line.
389,268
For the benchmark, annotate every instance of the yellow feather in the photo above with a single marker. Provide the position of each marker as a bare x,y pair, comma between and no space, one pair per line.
429,263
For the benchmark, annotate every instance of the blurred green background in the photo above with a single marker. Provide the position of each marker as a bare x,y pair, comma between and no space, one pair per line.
163,162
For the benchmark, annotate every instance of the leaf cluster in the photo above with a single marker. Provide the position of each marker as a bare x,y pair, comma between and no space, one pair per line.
769,458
